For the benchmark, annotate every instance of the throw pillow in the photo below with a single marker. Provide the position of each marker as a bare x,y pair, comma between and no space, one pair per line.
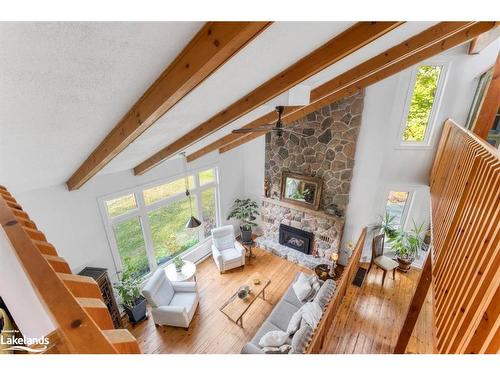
273,338
294,323
311,313
302,287
283,349
300,339
325,293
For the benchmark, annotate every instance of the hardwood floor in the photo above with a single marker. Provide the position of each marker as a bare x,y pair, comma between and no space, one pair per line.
370,318
210,330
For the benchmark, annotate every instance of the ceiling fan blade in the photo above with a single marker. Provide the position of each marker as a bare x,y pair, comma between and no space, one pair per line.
263,128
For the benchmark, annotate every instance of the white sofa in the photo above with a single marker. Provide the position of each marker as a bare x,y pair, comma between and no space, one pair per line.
172,303
226,251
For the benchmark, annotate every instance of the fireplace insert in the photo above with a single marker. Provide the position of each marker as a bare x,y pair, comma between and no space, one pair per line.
297,239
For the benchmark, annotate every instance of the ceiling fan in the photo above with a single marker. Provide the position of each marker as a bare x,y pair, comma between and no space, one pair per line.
276,128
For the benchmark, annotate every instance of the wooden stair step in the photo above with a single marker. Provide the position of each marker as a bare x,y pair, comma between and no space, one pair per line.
35,234
14,205
58,264
28,224
98,311
123,341
45,247
81,286
8,197
19,213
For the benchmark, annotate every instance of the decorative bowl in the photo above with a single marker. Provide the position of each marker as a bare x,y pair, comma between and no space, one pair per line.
244,292
256,281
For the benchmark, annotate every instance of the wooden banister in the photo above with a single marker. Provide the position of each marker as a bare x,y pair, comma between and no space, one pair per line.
465,249
318,336
73,302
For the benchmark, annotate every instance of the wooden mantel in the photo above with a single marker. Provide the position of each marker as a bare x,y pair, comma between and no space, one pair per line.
319,214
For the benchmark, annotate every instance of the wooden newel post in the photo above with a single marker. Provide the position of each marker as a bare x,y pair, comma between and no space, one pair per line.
415,306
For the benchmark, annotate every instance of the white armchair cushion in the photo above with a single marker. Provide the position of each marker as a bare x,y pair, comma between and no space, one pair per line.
223,237
226,251
184,286
158,290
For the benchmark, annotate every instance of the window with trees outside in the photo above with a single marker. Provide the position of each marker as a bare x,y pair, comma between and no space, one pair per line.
421,107
146,226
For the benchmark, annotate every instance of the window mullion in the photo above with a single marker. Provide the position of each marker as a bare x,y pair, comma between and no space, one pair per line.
146,230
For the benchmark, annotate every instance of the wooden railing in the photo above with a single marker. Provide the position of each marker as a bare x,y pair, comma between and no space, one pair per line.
319,333
464,270
73,302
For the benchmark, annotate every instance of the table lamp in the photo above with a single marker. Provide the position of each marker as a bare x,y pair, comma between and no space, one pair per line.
334,257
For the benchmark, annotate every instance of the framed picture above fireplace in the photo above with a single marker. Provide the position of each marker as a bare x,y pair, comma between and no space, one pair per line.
301,190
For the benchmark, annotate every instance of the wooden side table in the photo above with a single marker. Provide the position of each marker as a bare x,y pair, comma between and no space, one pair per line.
323,272
248,249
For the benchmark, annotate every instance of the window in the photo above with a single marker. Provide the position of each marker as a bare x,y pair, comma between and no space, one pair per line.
207,176
121,205
146,226
131,246
170,237
396,207
160,192
421,107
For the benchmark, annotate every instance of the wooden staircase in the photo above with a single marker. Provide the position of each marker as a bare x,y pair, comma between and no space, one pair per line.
74,302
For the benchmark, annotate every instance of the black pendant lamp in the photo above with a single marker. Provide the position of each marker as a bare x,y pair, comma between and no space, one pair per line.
192,222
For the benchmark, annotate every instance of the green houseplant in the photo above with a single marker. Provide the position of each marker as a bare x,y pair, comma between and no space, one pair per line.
128,289
178,263
406,244
246,211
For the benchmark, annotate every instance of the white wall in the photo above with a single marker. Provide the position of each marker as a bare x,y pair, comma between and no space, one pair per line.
72,221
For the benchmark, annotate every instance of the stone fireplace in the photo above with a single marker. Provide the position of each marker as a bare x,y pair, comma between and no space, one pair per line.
326,151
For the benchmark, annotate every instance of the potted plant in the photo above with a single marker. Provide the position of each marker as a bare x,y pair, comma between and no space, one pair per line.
128,289
178,262
387,226
406,244
245,210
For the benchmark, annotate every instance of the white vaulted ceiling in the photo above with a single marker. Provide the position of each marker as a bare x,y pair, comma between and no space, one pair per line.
64,86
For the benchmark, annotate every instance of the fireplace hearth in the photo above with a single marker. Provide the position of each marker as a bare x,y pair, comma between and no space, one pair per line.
295,238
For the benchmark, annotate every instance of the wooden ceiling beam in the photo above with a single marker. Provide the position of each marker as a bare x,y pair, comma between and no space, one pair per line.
210,48
347,42
464,32
484,40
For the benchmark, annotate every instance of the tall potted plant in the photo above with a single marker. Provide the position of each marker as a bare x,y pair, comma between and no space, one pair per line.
406,244
129,291
246,211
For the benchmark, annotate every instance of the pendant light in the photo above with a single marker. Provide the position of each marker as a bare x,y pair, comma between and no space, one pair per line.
192,222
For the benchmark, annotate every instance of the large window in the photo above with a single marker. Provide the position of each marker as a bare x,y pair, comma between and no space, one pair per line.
146,226
421,108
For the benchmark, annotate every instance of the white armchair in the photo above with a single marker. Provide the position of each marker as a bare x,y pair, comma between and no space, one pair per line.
226,251
172,303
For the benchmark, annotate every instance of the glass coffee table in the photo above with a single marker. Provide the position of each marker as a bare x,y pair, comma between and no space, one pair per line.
234,308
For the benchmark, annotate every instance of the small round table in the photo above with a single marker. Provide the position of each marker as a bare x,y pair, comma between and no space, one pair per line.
248,248
187,273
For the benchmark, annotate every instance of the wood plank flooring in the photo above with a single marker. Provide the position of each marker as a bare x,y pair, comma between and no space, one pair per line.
210,330
369,318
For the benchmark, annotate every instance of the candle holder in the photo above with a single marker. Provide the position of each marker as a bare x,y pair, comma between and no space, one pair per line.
334,257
